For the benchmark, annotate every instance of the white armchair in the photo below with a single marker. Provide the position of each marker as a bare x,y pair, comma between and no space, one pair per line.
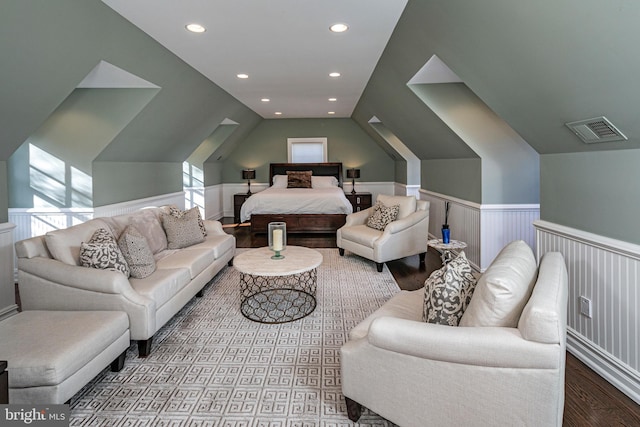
422,374
403,237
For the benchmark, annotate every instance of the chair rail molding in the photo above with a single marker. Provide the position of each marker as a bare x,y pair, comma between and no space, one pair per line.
485,228
607,272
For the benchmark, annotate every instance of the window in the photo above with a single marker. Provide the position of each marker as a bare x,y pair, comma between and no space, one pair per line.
307,150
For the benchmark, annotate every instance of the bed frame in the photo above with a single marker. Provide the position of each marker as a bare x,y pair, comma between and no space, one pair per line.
302,223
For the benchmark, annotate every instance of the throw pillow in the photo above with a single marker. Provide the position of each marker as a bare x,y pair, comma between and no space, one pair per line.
136,251
298,179
448,291
103,256
183,231
149,226
175,211
382,215
102,235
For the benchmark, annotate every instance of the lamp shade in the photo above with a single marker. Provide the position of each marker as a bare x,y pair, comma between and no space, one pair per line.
249,174
353,173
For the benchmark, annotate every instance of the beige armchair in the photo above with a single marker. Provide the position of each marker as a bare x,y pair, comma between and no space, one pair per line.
405,236
422,374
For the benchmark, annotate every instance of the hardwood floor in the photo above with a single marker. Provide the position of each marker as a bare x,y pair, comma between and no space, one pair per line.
589,399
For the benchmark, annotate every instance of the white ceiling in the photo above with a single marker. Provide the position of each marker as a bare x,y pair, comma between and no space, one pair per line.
285,47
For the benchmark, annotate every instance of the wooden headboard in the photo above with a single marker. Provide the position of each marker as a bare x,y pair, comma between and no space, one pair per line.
317,169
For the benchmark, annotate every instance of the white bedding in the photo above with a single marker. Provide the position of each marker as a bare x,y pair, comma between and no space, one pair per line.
296,201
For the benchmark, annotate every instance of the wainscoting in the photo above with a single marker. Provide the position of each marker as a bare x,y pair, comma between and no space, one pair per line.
7,291
177,199
606,271
485,228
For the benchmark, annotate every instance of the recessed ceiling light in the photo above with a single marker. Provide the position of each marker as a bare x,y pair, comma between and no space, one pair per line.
331,112
333,99
339,28
278,113
195,28
265,100
334,74
243,76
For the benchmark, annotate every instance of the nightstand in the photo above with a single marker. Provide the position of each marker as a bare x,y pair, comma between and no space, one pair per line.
238,200
4,383
359,201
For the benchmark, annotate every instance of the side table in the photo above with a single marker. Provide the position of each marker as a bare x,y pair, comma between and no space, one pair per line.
446,248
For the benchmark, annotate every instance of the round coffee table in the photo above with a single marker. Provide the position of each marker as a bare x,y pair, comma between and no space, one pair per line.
278,291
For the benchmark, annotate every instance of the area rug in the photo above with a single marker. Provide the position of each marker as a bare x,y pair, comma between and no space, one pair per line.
210,366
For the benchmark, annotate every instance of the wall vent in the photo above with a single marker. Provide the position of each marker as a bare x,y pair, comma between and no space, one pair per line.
598,129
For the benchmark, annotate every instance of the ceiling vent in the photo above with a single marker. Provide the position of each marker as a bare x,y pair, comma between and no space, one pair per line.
598,129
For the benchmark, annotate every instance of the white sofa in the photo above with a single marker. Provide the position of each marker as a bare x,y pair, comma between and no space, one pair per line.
423,374
50,276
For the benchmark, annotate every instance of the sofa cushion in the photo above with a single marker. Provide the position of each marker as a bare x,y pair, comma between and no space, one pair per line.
149,226
182,231
503,290
137,252
217,243
44,348
64,244
162,285
361,234
382,215
194,260
448,291
103,256
407,203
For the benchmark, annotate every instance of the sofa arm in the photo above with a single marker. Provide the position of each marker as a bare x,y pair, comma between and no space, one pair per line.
213,227
358,218
479,346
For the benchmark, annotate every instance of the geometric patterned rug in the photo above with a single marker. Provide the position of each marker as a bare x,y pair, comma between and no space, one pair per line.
210,366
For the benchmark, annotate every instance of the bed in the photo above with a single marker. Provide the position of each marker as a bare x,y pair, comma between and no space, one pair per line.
321,209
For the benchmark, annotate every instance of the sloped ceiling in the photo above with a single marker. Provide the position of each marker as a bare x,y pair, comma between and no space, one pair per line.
538,65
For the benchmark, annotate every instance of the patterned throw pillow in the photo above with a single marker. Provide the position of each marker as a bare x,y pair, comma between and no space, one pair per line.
448,291
102,235
382,215
298,179
175,211
136,251
103,256
183,231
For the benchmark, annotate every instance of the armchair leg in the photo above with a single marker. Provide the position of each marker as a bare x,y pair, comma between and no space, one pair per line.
144,347
422,257
379,266
118,364
200,293
354,409
230,263
341,251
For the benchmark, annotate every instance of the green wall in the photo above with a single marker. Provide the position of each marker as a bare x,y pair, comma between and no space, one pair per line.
460,178
347,143
116,182
595,191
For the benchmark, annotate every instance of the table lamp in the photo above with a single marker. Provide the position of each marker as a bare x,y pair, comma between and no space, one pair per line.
353,174
249,174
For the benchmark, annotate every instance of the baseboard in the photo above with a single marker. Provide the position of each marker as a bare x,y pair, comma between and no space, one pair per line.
619,375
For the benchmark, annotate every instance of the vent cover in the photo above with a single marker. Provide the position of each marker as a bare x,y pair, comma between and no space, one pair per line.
598,129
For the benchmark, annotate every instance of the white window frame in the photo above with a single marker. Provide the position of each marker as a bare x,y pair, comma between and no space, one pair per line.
293,141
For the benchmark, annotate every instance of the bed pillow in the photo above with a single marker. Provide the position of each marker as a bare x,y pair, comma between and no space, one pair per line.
324,181
298,179
280,181
382,215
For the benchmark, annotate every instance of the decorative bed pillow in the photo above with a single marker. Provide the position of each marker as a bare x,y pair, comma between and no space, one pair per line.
183,231
136,251
103,256
448,291
175,211
280,181
298,179
382,215
324,181
148,225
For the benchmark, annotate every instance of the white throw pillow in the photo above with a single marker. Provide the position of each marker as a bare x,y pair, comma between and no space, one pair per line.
448,291
324,181
504,289
280,181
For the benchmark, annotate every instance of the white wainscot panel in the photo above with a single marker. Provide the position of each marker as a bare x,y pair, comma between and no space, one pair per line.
8,304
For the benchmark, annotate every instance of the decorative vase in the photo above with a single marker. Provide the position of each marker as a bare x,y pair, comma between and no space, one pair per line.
445,233
277,232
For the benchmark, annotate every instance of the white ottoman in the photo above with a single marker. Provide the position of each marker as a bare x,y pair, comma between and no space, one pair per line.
51,355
